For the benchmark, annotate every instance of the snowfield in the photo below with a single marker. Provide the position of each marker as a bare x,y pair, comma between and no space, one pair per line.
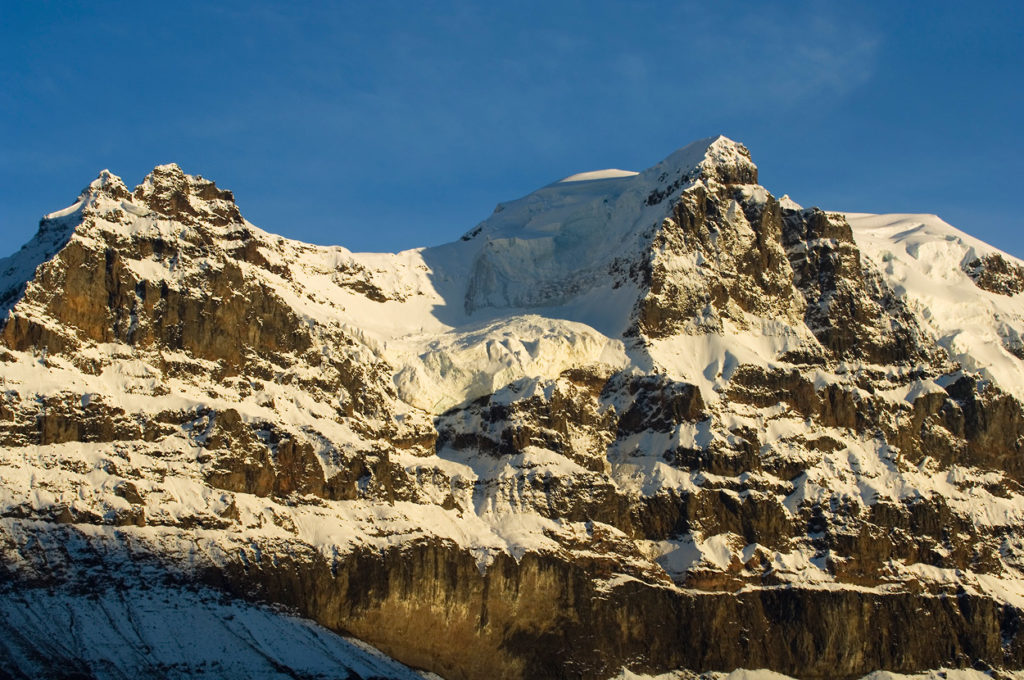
924,259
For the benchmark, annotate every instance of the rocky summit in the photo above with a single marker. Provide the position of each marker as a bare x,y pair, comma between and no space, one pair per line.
632,423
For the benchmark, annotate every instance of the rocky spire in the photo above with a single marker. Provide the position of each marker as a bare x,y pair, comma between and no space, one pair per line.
191,199
728,162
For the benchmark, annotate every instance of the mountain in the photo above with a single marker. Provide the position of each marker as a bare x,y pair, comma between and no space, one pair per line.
631,423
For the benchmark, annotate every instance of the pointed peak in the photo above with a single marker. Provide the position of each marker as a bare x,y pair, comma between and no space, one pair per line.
107,184
787,203
721,142
105,177
716,158
731,161
168,190
99,195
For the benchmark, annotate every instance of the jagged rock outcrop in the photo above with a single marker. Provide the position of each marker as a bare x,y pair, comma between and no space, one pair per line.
992,272
850,309
651,421
733,261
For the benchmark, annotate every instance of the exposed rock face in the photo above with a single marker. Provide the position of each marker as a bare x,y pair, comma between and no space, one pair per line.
719,255
186,199
994,273
850,310
732,438
494,630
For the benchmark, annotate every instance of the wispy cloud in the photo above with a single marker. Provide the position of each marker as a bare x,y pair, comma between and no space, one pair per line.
750,58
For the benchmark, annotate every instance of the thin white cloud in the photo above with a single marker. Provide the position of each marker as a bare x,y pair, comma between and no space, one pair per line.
766,56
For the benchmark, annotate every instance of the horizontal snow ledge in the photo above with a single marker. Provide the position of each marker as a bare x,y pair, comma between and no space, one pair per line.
610,173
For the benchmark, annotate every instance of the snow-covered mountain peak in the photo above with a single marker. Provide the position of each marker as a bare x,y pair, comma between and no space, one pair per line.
560,241
725,152
714,158
102,198
166,192
666,398
109,184
103,192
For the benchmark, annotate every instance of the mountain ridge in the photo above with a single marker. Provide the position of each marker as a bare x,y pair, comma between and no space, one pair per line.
616,410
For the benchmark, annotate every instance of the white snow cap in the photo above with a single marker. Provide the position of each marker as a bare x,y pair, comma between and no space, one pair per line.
705,155
610,173
105,182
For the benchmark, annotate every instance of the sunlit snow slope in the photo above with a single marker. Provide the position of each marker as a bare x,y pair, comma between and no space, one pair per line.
930,263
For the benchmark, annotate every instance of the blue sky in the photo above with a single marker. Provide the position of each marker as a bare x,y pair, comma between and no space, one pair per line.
387,125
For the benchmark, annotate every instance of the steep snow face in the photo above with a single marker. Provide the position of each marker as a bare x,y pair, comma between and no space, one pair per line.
928,261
